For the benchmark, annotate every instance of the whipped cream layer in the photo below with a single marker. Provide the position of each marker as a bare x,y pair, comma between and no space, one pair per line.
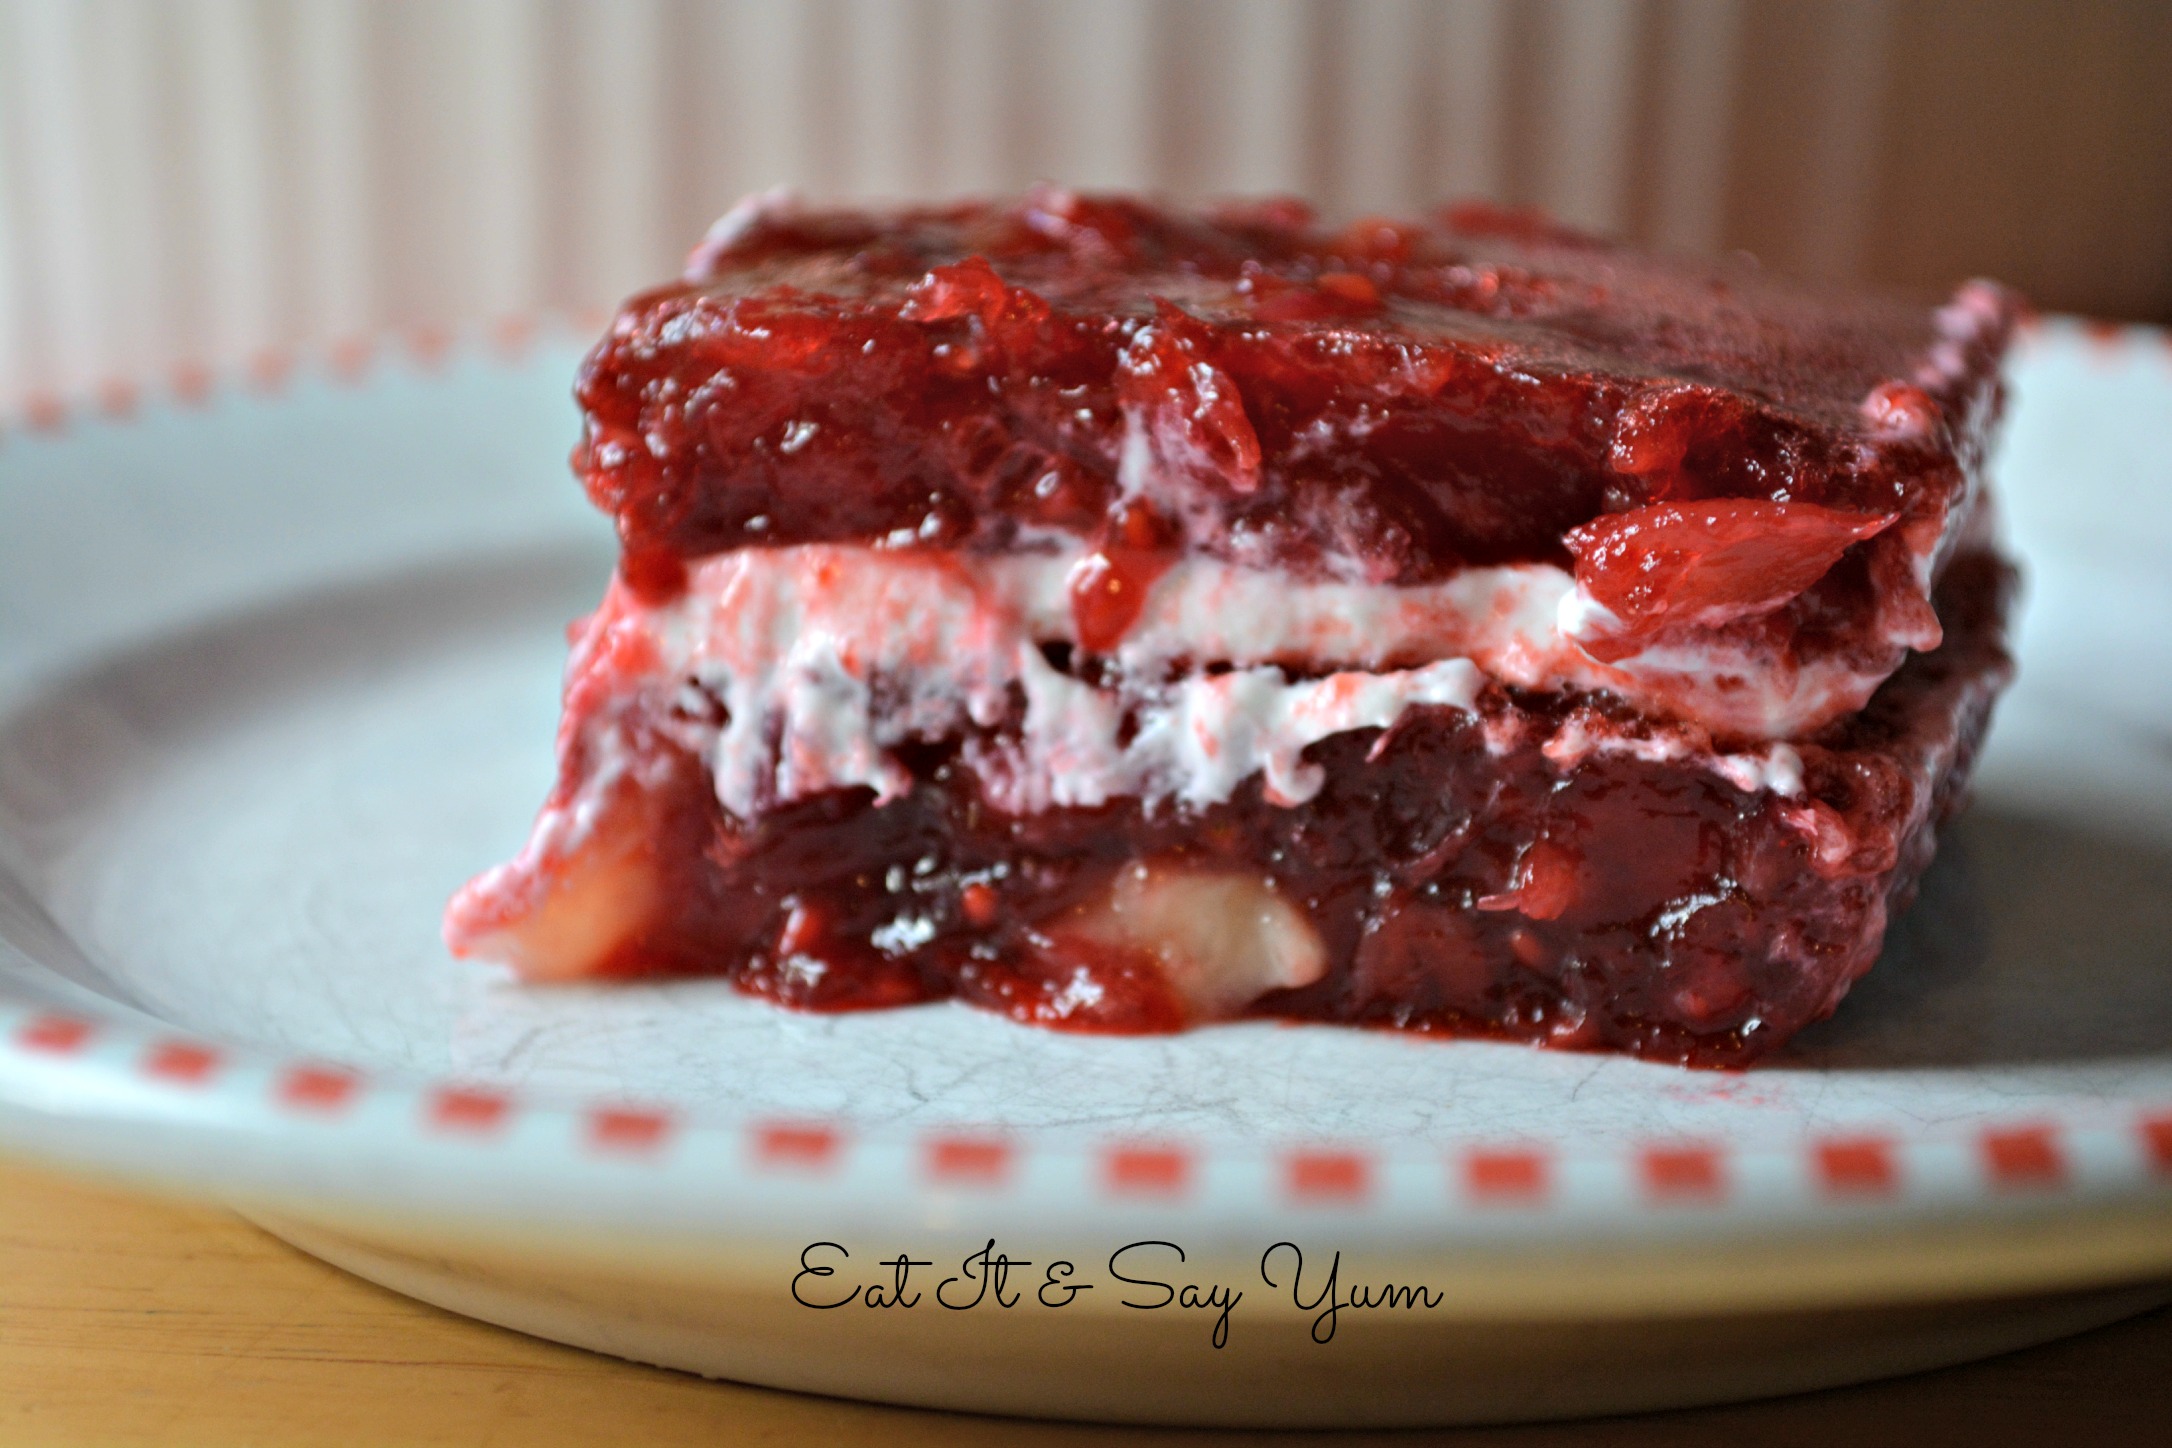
1522,624
827,658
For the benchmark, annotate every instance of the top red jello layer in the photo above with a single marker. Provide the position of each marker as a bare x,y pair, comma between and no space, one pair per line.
1390,402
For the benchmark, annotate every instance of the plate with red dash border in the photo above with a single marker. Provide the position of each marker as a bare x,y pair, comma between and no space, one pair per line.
278,663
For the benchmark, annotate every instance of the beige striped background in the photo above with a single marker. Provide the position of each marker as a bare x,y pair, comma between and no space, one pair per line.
202,179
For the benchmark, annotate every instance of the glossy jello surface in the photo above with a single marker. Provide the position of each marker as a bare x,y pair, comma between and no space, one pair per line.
1389,400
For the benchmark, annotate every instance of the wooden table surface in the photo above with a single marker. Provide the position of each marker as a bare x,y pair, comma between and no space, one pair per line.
129,1321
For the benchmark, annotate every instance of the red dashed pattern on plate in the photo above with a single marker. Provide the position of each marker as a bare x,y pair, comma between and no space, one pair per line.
1146,1171
2157,1139
2028,1158
961,1160
57,1035
2024,1157
624,1130
467,1109
1856,1167
1505,1178
271,370
795,1145
317,1089
183,1063
1328,1176
1678,1173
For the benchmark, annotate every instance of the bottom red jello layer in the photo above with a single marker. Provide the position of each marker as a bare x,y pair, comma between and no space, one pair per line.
1460,872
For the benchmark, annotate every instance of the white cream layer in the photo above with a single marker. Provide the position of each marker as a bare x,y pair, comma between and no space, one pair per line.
829,657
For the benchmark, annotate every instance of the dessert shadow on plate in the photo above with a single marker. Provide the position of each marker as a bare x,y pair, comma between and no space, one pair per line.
2033,940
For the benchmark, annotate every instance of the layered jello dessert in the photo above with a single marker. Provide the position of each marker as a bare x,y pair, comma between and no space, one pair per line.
1124,618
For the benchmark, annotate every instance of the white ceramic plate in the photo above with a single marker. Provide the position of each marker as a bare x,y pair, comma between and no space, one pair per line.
277,672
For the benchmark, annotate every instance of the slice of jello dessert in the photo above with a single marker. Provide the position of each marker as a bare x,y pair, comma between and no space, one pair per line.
1125,618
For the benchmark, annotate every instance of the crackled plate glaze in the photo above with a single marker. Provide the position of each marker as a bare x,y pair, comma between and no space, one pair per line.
277,672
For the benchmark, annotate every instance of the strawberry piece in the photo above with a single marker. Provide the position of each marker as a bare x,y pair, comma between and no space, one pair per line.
1545,885
969,288
1009,318
1199,424
1108,589
1354,290
980,904
1709,563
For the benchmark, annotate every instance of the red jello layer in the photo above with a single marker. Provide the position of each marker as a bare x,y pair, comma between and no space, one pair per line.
1460,871
1392,401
